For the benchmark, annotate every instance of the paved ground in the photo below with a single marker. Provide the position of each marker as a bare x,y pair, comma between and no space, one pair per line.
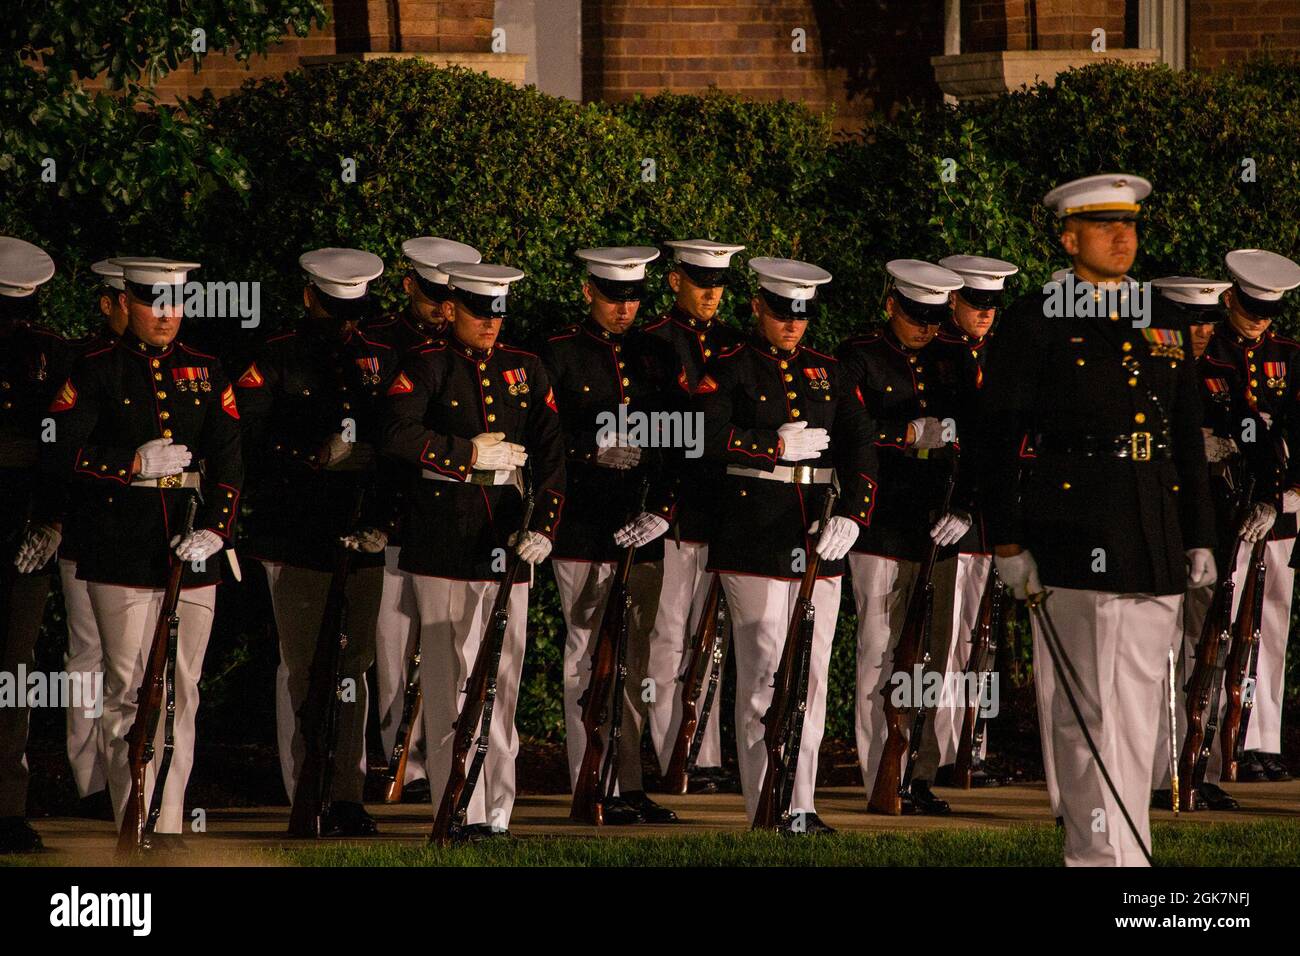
232,833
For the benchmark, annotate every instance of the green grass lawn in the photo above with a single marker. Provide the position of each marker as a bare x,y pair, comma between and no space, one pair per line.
1270,843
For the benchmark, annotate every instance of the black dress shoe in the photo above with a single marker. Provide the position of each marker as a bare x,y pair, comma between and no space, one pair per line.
650,811
476,833
347,819
417,791
1274,769
97,806
703,780
926,802
17,836
982,778
1251,769
802,824
1213,798
1162,799
617,812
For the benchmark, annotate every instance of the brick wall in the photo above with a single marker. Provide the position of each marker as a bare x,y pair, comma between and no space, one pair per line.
861,54
990,25
423,26
1226,31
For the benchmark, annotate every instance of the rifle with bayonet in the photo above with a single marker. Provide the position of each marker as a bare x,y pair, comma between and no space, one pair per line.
474,724
783,722
603,699
705,655
988,637
318,717
157,694
893,783
406,726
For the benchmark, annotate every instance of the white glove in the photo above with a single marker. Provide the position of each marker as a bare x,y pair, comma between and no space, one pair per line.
835,541
38,546
160,457
1019,572
642,529
613,451
1216,448
929,433
493,453
366,540
534,547
1290,501
197,545
950,528
351,456
1258,522
1267,419
799,442
1201,571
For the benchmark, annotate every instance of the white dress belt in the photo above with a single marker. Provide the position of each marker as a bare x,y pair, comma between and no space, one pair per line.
502,476
790,474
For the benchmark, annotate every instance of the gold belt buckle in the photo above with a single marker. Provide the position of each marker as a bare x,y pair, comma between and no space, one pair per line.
1139,444
171,481
801,474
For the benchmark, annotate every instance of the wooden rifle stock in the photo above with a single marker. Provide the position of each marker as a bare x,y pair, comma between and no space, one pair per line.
783,722
1245,643
984,645
705,649
912,649
318,717
405,726
1205,684
600,701
474,722
159,673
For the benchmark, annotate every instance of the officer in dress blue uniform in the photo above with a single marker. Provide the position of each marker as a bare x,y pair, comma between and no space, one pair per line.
698,279
396,632
1111,515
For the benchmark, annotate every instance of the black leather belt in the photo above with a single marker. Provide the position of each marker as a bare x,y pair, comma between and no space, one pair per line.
1136,446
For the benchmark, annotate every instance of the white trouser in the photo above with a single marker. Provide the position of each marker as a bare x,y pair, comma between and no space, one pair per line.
396,629
1044,692
298,597
880,592
760,620
86,657
453,616
1265,730
584,588
685,587
1117,647
958,589
126,618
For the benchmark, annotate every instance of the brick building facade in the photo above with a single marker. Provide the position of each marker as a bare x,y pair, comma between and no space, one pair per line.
853,56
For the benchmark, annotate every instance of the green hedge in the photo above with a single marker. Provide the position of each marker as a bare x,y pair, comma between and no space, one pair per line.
529,178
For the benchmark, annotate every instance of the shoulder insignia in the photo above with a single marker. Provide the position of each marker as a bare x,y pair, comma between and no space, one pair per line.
550,400
683,381
252,378
401,385
66,398
228,403
706,385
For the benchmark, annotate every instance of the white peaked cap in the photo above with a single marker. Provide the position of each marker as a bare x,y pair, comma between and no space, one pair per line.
427,253
481,278
23,267
1190,290
703,252
1261,274
151,270
980,272
110,272
790,278
923,282
342,273
620,263
1104,193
